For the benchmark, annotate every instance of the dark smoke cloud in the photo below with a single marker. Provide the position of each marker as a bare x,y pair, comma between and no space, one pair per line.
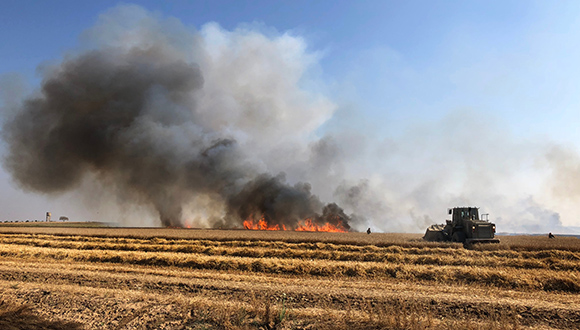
282,204
130,119
91,117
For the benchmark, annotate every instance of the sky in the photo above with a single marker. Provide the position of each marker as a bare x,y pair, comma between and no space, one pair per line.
434,104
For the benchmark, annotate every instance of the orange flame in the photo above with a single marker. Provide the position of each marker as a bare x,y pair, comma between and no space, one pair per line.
328,227
261,225
306,225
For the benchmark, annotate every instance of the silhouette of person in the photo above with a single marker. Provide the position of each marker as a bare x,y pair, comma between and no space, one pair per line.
368,231
551,236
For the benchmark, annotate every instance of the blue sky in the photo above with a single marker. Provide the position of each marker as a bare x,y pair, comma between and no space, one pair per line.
513,58
391,67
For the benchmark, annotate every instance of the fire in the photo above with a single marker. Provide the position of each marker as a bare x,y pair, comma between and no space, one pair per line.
262,224
328,227
306,225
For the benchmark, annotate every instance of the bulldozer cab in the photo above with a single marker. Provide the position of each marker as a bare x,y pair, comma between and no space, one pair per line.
459,214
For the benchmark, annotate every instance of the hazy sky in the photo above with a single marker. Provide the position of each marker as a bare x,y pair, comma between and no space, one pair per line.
471,102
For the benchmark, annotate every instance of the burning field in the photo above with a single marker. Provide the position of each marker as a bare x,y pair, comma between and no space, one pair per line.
112,278
332,220
153,124
174,130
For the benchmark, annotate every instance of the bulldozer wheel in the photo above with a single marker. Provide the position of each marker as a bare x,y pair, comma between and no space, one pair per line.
459,237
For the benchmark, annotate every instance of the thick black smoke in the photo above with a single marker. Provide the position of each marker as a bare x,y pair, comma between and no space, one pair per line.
130,119
281,204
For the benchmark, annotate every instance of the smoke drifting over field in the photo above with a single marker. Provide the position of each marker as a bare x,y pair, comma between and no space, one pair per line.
179,127
142,119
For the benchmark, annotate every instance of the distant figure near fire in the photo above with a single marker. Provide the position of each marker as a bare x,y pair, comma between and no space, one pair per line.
551,236
368,231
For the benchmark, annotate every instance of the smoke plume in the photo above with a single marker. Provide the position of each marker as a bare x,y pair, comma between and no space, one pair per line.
161,122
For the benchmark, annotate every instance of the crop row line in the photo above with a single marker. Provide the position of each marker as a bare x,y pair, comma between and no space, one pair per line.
474,259
512,279
162,244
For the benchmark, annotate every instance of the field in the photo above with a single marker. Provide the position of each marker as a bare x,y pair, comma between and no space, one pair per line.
116,278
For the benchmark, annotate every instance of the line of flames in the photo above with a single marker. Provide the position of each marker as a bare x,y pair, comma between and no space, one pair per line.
305,225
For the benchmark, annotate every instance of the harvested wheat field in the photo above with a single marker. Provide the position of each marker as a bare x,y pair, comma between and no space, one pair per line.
116,278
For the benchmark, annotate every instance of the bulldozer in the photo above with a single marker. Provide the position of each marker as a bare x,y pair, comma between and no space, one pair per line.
464,227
